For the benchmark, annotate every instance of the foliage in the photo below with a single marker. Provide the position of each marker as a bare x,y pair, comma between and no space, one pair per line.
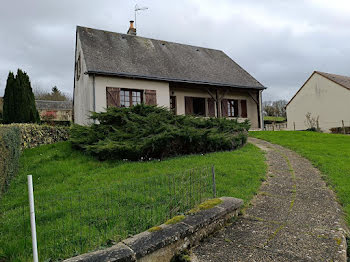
19,102
57,168
275,108
143,132
276,119
10,148
54,95
311,122
340,130
328,152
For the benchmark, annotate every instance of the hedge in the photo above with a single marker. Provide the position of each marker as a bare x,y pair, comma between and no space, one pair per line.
146,132
10,149
16,137
340,130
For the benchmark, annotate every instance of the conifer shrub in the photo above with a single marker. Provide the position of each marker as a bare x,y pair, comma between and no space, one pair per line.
19,102
145,132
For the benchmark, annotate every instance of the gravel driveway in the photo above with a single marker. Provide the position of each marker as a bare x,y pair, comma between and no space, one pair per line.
295,217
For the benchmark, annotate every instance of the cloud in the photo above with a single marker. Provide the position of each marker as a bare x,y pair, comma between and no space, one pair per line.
279,42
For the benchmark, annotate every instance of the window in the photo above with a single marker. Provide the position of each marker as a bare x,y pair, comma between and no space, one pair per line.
199,106
130,97
231,108
173,104
194,106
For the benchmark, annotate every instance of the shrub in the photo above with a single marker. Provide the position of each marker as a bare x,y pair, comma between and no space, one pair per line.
19,102
340,130
10,149
143,132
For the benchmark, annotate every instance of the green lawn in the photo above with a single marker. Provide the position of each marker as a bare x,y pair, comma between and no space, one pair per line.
274,118
328,152
82,204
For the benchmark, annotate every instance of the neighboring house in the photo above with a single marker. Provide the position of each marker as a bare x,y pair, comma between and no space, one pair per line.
113,69
326,96
60,111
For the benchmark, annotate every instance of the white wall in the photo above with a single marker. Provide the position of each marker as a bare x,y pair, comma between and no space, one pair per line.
101,82
83,92
321,97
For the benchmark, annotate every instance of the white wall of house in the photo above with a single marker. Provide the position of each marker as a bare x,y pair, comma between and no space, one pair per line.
181,93
102,82
83,91
323,98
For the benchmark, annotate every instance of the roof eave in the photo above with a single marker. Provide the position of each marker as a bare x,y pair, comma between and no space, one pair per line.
92,72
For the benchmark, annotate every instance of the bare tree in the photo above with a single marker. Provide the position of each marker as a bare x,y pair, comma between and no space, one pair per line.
54,95
275,108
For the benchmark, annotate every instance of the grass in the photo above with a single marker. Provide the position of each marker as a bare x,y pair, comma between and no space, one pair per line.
175,220
210,203
72,194
274,118
330,153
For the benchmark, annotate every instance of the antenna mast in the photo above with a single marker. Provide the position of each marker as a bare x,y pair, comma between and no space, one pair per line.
137,8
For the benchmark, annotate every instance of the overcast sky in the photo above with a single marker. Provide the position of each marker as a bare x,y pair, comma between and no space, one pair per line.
279,42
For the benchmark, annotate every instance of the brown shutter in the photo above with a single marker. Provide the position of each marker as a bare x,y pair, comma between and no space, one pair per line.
113,96
244,108
188,105
235,104
224,109
211,107
151,97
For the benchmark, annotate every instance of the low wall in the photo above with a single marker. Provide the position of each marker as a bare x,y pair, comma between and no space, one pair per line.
165,241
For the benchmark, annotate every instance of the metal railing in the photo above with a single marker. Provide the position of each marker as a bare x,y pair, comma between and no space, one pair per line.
82,221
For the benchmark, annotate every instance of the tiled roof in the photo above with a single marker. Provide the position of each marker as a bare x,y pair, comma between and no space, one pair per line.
110,53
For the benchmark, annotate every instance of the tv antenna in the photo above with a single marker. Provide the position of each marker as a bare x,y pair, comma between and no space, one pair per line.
137,9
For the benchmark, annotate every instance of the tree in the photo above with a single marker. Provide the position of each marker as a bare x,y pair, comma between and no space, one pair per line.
19,102
54,95
275,108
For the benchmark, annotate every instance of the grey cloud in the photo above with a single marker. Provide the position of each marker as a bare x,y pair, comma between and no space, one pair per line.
278,42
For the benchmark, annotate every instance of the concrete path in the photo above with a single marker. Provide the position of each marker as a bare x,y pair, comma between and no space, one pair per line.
295,217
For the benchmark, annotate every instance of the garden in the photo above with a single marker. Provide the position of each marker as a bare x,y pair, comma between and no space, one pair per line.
131,170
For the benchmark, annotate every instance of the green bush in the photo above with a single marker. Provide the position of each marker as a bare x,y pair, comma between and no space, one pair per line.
144,132
340,130
10,149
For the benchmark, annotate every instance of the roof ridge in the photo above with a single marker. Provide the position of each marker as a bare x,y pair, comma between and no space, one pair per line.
320,72
143,37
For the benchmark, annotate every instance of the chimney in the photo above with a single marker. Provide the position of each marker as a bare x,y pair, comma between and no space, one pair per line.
132,29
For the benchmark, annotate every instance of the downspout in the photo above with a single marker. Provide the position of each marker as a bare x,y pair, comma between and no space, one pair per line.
261,111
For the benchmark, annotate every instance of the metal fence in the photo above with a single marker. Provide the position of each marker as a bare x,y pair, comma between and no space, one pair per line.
82,221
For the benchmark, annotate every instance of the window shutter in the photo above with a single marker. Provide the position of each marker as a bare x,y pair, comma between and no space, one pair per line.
188,105
151,97
113,96
235,104
211,107
244,108
224,109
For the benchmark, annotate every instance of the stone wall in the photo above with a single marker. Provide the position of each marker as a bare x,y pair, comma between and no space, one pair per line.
162,243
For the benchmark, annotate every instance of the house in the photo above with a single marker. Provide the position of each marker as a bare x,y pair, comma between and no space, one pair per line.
57,111
113,69
326,96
